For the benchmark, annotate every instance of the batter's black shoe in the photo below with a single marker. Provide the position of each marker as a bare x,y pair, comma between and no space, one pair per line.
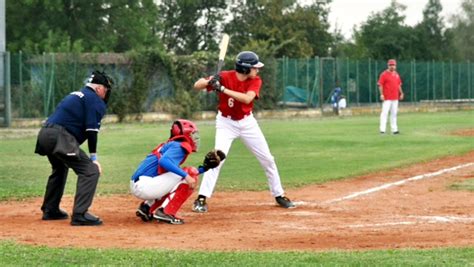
160,215
143,212
200,205
285,202
54,215
85,219
397,132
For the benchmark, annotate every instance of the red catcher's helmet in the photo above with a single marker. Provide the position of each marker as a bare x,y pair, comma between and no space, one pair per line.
188,130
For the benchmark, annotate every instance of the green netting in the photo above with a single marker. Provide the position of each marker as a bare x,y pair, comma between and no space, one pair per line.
39,82
422,81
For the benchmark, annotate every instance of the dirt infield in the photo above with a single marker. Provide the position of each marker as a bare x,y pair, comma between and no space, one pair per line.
420,212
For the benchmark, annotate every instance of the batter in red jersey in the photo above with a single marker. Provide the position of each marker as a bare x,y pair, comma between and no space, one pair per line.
390,86
237,89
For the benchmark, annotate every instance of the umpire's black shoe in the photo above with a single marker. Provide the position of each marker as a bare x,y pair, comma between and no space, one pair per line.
54,215
85,219
143,212
285,202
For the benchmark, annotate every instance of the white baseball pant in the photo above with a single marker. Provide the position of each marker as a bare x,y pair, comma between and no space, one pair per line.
392,107
151,188
247,129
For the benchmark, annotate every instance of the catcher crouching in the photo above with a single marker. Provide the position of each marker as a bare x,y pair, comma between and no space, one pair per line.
160,181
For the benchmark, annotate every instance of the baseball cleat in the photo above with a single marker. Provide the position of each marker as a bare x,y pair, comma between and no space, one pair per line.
200,205
160,215
285,202
143,212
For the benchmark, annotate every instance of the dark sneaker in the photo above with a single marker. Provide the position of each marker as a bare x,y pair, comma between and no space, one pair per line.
54,215
382,132
397,132
160,215
143,212
200,205
85,219
285,202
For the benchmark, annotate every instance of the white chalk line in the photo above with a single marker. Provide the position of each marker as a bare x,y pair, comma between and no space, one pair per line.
418,220
405,221
388,185
375,189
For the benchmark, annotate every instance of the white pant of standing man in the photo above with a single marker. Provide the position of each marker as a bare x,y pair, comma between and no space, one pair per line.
389,106
227,130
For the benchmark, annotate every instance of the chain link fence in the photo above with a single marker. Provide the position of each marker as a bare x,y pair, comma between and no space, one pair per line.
32,85
310,82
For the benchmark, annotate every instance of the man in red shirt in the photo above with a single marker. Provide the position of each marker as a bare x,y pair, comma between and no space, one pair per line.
390,86
237,89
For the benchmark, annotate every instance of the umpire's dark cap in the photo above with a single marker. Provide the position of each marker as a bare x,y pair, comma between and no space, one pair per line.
99,77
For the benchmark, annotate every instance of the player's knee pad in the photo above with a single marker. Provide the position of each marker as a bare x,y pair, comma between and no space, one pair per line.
192,171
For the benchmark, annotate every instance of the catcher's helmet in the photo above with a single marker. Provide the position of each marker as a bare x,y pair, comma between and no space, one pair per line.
246,60
188,130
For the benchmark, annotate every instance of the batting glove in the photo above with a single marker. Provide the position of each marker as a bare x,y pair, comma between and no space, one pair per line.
216,85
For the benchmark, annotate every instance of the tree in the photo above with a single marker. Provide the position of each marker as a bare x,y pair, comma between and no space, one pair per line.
384,35
432,43
463,31
189,26
91,26
280,28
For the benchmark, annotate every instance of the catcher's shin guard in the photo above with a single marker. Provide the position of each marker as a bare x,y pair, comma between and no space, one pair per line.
177,199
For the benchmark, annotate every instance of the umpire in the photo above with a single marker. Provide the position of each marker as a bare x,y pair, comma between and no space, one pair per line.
75,119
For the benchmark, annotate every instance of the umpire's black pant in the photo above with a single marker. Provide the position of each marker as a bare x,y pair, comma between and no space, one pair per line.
63,152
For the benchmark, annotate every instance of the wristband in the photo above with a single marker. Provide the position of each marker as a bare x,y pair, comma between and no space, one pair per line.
93,157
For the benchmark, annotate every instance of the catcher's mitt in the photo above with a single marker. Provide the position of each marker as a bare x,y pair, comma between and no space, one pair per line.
212,159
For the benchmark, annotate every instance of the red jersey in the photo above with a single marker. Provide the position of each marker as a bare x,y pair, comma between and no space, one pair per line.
228,105
390,82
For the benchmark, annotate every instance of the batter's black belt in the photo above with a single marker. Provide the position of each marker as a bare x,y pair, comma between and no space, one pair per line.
236,118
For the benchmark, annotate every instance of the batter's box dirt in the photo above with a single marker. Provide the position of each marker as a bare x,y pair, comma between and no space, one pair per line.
422,213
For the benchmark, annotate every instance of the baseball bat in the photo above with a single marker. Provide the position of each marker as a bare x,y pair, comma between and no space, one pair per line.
222,51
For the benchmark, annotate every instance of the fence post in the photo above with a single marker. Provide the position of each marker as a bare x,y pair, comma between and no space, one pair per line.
8,106
459,80
20,72
443,94
321,94
427,80
411,80
347,79
434,81
284,70
451,76
377,97
414,80
370,83
469,78
357,82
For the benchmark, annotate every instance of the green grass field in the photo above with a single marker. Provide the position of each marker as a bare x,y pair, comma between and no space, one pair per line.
307,151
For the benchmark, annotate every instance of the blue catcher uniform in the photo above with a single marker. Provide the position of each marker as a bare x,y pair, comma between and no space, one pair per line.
159,180
171,155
